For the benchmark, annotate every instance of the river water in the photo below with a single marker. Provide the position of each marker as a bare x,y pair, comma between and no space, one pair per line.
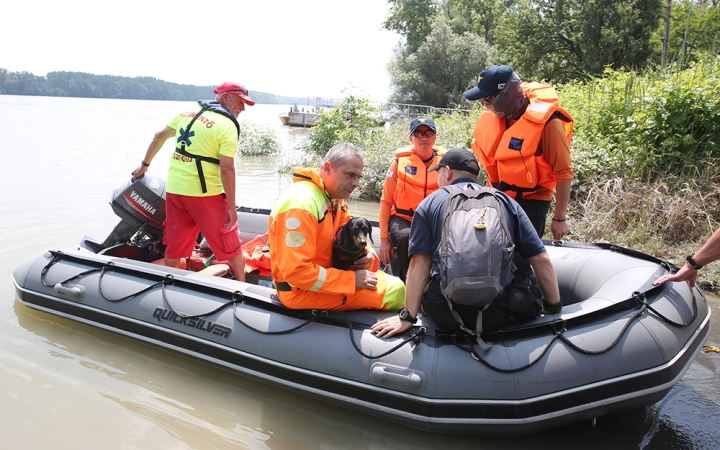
67,385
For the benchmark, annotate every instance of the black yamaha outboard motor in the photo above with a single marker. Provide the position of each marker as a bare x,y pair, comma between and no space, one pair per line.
140,204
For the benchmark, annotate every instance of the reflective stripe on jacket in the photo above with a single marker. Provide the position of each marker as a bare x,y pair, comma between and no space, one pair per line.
302,225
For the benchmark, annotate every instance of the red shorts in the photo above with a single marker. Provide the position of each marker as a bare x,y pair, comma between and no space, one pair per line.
186,216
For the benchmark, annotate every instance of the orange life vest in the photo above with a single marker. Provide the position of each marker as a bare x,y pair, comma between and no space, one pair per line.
414,182
509,155
257,255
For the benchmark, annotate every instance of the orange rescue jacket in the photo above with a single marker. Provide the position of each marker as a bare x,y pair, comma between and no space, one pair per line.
509,155
414,182
302,226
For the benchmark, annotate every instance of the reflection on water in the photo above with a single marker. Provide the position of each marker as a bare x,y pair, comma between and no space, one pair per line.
68,385
145,390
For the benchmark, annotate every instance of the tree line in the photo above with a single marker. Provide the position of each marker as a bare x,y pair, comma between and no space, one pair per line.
448,42
79,84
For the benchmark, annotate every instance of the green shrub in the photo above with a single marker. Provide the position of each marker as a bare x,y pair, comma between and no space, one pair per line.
257,140
379,152
355,120
648,127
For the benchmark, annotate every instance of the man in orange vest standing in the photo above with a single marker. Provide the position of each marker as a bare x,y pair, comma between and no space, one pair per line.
523,143
407,183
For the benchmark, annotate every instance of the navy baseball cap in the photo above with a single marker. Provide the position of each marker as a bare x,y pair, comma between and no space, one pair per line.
459,159
422,120
490,81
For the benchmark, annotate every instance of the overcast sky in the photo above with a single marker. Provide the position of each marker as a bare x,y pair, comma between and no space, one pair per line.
314,48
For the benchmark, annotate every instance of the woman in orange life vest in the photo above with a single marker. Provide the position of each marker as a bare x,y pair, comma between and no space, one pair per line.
407,183
524,150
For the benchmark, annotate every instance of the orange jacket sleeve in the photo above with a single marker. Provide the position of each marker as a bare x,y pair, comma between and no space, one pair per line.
557,151
388,198
301,252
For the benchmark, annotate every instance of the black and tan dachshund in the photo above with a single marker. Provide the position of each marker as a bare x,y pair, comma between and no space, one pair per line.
350,243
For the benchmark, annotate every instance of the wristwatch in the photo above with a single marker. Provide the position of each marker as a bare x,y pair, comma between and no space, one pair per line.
405,315
552,308
692,262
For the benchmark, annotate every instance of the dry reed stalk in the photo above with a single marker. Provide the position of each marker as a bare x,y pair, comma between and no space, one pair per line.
650,218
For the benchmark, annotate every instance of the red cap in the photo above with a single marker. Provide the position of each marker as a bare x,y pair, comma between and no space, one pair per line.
229,87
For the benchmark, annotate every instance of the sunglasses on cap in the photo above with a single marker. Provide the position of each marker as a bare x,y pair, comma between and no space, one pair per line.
425,133
238,91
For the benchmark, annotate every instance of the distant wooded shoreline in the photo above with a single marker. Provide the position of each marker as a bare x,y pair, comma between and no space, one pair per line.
79,84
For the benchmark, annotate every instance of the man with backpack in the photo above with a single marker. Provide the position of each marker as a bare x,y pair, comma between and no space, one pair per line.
489,293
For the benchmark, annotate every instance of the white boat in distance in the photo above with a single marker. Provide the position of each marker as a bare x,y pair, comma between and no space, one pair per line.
296,117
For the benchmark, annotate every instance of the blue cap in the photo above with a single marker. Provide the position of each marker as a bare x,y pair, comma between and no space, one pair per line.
422,120
490,81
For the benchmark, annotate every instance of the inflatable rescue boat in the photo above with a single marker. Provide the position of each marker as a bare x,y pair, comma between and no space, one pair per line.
618,343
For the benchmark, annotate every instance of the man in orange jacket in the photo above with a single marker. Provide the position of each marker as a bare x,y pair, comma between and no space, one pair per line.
407,183
523,143
304,222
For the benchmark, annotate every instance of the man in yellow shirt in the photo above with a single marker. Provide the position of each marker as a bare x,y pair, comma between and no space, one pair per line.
200,191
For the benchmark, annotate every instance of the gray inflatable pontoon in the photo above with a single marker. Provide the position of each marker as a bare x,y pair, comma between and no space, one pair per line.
619,342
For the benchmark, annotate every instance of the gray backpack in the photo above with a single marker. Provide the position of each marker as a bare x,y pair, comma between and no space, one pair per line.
476,250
